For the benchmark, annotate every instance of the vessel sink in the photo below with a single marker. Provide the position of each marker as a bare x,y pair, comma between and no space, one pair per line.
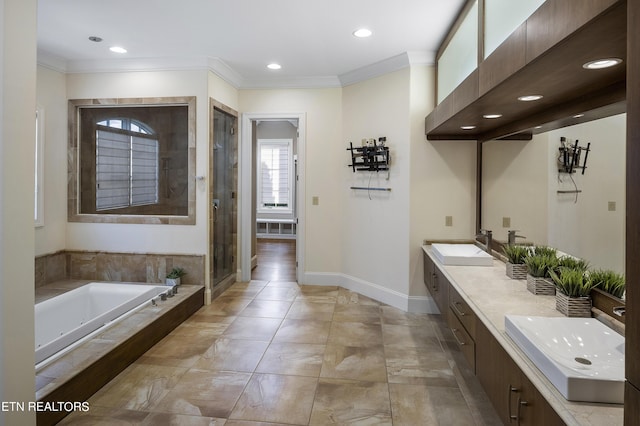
461,254
583,358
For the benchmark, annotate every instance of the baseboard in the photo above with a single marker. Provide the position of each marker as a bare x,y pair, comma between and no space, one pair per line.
415,304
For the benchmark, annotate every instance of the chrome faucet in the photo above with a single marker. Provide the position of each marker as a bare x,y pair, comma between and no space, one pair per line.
512,235
488,238
619,310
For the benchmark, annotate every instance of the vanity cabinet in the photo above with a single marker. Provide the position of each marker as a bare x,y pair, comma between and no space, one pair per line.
462,322
515,398
436,284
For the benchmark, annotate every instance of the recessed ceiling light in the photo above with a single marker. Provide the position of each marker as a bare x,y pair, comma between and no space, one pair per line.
274,66
602,63
578,115
529,98
491,116
95,39
467,127
362,33
118,49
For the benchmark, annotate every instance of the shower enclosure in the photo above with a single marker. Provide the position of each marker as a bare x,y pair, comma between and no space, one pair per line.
224,177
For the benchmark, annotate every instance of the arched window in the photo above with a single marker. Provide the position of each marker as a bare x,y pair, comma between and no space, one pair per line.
126,164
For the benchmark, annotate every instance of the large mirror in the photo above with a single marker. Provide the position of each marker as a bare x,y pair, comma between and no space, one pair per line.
579,214
132,160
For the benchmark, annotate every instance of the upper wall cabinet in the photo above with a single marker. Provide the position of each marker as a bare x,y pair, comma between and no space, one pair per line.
545,56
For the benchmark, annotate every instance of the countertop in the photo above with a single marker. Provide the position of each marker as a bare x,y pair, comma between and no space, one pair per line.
492,295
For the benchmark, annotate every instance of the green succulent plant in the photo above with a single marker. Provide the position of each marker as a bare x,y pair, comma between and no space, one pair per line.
544,251
571,282
176,273
538,265
608,281
516,254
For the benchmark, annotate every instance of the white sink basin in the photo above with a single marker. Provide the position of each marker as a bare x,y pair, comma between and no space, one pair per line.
583,358
461,254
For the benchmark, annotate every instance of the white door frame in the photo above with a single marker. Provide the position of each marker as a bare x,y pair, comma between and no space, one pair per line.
245,184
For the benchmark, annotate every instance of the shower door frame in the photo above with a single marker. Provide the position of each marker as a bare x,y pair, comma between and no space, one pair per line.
231,278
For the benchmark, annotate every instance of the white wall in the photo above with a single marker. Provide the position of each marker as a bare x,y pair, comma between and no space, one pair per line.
184,239
442,183
17,137
514,185
52,97
376,224
586,228
325,160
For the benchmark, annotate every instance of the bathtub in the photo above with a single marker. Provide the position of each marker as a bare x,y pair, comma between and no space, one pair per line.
65,319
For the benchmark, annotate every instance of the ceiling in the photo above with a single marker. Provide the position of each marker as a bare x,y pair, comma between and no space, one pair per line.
311,39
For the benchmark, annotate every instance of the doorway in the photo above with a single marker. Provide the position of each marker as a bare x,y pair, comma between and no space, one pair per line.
223,190
278,223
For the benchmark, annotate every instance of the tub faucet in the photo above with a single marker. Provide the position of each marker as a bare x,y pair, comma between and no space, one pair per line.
488,238
619,310
512,235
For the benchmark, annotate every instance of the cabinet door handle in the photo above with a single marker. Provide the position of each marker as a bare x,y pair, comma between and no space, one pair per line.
435,282
458,311
521,404
454,331
512,390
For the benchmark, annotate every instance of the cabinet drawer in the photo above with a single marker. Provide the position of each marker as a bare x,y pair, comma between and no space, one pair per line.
462,311
464,340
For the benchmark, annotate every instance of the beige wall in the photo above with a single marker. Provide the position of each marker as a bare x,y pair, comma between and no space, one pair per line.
17,136
51,97
325,159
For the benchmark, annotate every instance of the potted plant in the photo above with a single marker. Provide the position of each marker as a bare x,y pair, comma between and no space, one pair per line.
573,263
516,268
573,291
608,281
174,276
538,279
545,251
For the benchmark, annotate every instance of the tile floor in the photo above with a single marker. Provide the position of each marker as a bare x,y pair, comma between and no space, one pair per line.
274,352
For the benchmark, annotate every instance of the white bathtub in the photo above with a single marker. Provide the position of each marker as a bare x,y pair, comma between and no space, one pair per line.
65,319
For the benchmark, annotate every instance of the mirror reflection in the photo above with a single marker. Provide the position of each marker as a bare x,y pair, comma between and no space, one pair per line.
525,188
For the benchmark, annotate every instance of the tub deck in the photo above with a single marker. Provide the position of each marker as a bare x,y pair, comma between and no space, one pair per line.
81,372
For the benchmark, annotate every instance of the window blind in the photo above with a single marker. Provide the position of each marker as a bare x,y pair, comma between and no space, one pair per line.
274,174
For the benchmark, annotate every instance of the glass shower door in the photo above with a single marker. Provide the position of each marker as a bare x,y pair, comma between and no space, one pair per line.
223,207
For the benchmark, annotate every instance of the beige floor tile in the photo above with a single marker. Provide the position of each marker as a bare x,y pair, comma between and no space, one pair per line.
250,423
311,309
226,305
408,336
266,309
277,399
355,334
368,314
182,348
140,387
232,355
104,416
346,402
296,359
419,404
278,293
205,393
253,328
428,366
284,284
346,297
303,331
156,419
357,363
393,316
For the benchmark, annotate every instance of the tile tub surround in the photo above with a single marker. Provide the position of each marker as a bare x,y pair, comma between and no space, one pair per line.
280,353
79,373
109,266
492,295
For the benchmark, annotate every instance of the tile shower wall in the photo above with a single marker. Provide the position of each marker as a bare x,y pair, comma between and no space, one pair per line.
83,265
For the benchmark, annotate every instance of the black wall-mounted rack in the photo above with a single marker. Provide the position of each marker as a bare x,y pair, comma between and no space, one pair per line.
373,157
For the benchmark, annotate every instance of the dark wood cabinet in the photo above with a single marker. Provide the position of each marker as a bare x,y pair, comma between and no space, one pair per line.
514,397
436,284
462,322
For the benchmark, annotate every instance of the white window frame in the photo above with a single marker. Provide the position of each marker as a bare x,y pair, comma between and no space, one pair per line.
261,207
38,211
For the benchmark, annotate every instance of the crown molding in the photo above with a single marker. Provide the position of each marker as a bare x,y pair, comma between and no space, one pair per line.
227,73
